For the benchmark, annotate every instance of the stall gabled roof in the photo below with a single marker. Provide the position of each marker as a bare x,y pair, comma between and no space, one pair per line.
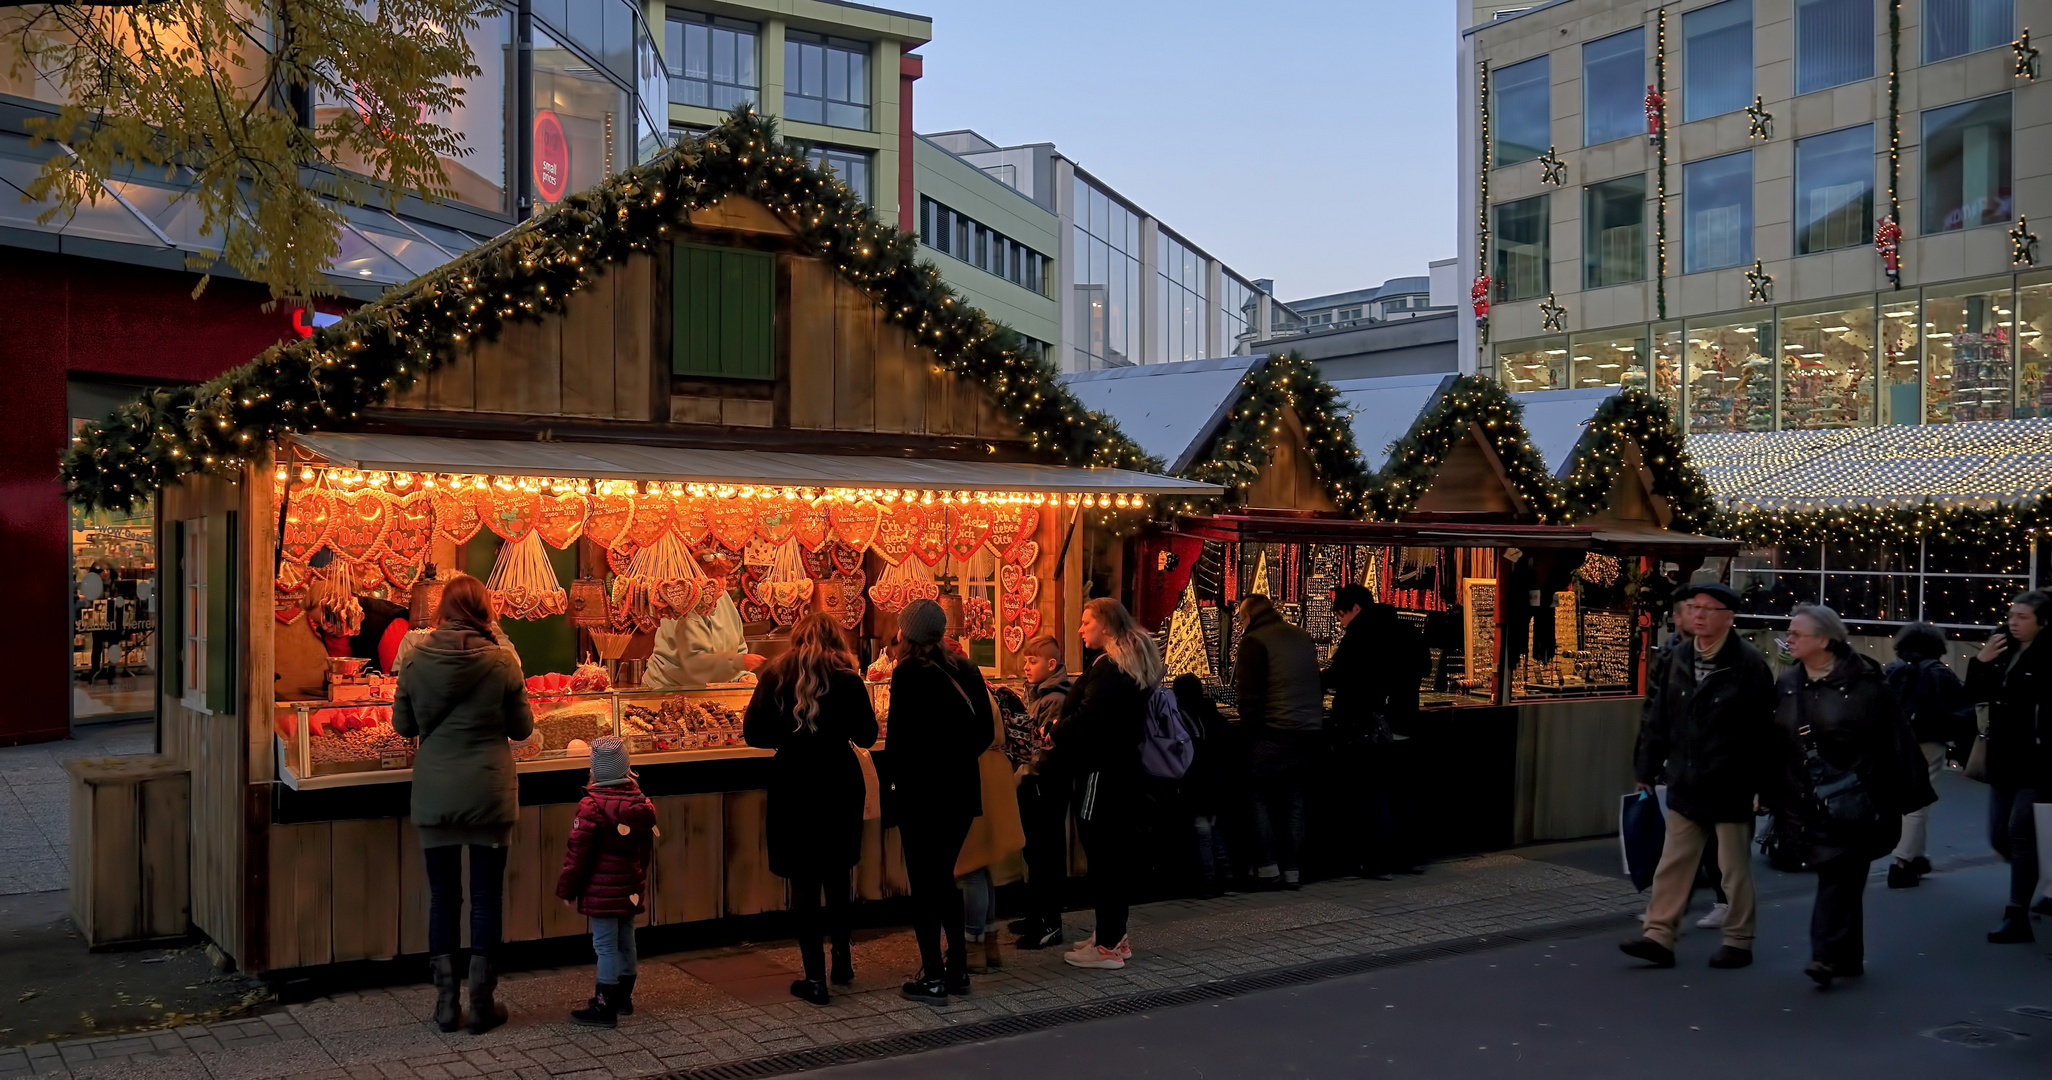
1555,420
1986,463
669,464
1171,410
1384,410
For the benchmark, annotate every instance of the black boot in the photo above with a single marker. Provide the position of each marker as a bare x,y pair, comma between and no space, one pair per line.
1901,876
2015,928
485,1012
624,1003
448,994
813,990
602,1010
844,964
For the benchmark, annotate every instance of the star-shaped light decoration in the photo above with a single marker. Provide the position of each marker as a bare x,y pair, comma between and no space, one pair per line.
2023,244
1551,315
1759,285
1762,121
2026,56
1553,169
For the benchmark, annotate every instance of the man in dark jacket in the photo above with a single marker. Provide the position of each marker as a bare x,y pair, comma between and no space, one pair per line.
1275,678
1373,675
1709,735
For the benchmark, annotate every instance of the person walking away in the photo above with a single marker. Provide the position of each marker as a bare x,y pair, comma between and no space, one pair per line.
605,875
1203,787
2014,677
991,853
1373,676
810,706
1935,702
940,724
1708,734
1043,798
1097,744
1276,681
462,695
1852,771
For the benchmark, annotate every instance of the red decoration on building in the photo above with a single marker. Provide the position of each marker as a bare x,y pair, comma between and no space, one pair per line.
1887,241
1656,115
1479,296
551,157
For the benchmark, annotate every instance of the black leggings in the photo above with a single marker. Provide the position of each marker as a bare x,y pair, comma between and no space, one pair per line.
445,898
2013,833
931,847
813,927
1838,919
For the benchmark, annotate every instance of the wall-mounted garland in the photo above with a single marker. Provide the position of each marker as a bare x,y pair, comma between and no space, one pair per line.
1241,449
1634,416
379,350
1480,293
1888,235
1659,122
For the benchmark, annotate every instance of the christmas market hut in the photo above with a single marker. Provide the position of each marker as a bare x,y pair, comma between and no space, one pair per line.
663,420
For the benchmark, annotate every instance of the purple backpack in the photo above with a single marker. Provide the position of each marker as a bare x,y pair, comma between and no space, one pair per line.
1166,749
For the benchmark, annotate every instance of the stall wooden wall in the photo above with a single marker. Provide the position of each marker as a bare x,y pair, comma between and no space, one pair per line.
357,889
1290,481
1574,762
1472,482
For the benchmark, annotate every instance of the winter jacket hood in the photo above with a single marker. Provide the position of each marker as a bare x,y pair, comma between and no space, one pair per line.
462,695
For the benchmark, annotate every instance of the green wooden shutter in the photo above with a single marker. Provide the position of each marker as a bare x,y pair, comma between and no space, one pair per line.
169,598
223,604
725,303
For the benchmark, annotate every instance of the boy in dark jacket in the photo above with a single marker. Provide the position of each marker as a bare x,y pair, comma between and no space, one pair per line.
605,875
1043,799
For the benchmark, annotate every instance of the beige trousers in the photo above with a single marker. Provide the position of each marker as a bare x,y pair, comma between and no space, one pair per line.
1676,875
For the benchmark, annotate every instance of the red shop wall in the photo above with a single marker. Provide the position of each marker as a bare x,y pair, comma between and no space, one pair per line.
62,316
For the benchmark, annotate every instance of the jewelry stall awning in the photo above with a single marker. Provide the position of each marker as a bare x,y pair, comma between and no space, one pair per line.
622,461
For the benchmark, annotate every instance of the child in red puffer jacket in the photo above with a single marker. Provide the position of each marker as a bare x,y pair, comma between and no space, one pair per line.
605,874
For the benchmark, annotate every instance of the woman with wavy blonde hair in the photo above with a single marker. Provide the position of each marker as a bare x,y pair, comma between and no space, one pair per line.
811,708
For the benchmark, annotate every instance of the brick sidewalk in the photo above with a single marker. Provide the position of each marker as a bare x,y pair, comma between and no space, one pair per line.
729,1005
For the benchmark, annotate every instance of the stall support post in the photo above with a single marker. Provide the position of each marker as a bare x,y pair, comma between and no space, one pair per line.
1070,571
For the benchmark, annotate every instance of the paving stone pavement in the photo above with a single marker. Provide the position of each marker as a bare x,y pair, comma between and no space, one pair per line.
683,1020
35,802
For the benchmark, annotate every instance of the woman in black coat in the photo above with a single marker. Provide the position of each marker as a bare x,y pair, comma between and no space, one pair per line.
1839,719
940,723
811,708
2015,678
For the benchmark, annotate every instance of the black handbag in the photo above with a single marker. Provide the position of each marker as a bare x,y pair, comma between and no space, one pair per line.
1838,796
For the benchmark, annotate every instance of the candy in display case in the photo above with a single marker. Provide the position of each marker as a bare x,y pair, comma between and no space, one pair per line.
327,738
660,721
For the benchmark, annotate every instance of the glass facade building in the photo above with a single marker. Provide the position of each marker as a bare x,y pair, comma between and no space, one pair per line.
1105,301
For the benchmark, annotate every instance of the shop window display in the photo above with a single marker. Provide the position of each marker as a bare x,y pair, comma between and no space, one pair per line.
1730,377
1667,366
582,123
1900,344
1968,366
1608,359
1581,640
1827,366
2034,346
1534,365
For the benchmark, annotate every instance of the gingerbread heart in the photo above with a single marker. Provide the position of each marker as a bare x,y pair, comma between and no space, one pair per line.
1024,553
400,571
512,514
1028,589
815,524
407,538
457,517
888,595
1013,637
306,523
1010,604
356,529
690,520
1029,621
921,590
856,523
710,592
844,600
776,517
1013,524
1009,576
847,560
819,565
620,557
969,526
561,519
291,578
789,592
653,513
897,531
681,594
733,521
607,517
754,611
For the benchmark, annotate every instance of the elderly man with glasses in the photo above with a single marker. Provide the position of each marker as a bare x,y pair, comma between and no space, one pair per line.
1709,735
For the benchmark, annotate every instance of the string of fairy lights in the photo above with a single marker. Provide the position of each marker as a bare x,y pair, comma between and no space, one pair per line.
1483,154
1660,163
1270,391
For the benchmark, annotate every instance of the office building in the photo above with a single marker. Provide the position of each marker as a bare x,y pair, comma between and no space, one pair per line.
1728,260
993,244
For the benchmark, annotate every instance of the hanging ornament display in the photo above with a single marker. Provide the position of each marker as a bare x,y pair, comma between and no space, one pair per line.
2025,57
1552,316
814,526
608,517
1760,122
936,530
356,529
978,621
1478,298
902,583
331,599
1887,244
653,514
2023,243
1656,116
407,537
969,527
457,517
857,523
560,518
1553,170
786,588
690,520
620,557
1759,284
523,582
1185,653
290,580
306,522
1259,586
897,531
841,598
511,513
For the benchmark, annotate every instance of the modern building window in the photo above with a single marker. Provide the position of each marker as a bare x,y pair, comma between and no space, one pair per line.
1239,307
193,603
1614,232
1523,249
1730,376
725,306
826,80
712,60
581,122
1967,336
1966,165
1608,358
1522,121
951,233
1834,190
852,166
1107,286
1717,212
1827,365
1666,368
1614,87
1540,364
1179,302
1717,59
1899,340
1957,27
1834,43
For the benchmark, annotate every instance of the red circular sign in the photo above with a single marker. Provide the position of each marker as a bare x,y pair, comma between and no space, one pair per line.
551,157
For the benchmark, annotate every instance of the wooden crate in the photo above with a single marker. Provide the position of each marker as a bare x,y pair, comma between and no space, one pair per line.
130,851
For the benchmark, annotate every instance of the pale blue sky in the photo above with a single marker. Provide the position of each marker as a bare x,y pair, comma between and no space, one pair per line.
1307,141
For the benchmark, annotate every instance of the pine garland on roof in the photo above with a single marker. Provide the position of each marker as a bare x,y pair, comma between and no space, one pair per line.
1414,460
380,350
1633,416
1242,448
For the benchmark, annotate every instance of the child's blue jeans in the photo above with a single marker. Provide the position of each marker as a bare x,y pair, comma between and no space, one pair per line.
612,938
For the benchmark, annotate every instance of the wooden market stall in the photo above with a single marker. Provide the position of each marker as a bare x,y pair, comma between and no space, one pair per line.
1524,536
651,426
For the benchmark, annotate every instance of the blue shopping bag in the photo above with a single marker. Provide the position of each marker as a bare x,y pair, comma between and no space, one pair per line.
1641,833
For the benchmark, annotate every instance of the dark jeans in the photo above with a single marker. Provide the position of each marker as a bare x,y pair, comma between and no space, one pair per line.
812,926
1214,866
1109,841
445,898
1044,815
1838,920
2013,833
932,844
1282,763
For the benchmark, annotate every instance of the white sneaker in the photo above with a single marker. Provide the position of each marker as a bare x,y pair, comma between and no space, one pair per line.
1090,955
1715,918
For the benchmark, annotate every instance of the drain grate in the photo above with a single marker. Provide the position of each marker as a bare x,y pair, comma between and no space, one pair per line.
1003,1027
